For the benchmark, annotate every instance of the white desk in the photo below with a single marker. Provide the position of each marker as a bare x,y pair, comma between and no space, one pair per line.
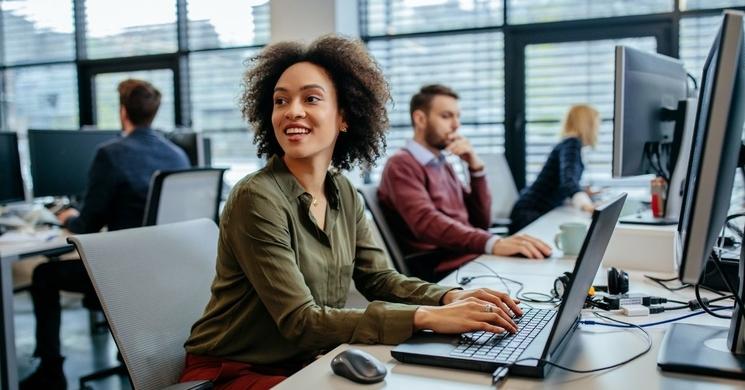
10,253
591,346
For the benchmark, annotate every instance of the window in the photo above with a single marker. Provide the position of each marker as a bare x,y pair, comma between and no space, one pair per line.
701,4
539,11
130,28
216,88
472,64
232,23
563,74
386,17
107,97
215,76
461,43
37,31
42,97
696,37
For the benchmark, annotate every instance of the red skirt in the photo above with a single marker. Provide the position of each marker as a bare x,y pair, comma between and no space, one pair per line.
232,375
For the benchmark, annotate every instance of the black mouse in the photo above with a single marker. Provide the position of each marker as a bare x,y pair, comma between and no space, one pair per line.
358,366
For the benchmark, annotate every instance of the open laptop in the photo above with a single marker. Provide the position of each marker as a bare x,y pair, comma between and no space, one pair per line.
542,333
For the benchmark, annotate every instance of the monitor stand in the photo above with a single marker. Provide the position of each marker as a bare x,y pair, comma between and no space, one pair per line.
685,116
708,350
701,350
646,218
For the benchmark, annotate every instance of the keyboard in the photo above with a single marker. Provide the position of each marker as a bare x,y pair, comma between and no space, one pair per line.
504,347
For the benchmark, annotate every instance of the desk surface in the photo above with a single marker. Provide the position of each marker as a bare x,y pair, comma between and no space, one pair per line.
41,241
590,347
49,244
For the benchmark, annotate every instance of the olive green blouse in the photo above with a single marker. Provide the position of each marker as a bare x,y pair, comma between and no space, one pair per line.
282,282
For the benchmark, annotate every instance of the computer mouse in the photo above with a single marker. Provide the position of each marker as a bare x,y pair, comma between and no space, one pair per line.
358,366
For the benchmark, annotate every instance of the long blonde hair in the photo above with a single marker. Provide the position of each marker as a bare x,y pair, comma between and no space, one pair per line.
582,121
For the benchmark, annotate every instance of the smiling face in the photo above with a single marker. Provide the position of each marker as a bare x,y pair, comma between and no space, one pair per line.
305,114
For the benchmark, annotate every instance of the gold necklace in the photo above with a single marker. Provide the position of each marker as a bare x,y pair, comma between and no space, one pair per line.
313,201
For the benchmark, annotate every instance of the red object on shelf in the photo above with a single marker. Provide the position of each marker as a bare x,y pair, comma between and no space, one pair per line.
659,196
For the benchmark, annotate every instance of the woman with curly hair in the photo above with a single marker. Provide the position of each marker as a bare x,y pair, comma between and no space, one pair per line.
293,235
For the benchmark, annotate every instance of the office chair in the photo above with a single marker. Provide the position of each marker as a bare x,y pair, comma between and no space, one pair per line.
182,195
370,195
152,293
174,196
503,190
197,147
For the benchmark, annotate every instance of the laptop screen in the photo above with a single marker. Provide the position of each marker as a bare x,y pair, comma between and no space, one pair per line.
604,220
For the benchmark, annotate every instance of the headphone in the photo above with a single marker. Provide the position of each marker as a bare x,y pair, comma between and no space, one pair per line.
618,283
560,285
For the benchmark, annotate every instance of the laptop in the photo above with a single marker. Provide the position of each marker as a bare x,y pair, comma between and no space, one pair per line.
542,333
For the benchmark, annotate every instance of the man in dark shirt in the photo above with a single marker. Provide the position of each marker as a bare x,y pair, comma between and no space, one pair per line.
430,208
118,184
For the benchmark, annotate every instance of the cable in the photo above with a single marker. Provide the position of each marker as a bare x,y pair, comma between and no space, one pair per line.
734,227
716,259
649,324
527,296
695,84
660,282
703,306
729,286
541,297
629,360
467,279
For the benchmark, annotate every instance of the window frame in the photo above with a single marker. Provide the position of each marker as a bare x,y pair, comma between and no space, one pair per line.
664,26
87,69
560,32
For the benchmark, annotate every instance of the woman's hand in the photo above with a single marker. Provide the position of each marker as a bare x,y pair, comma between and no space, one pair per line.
468,311
497,298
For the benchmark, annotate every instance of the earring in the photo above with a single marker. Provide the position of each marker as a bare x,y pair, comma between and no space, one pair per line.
343,129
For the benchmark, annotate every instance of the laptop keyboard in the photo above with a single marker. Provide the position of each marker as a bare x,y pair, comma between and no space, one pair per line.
504,347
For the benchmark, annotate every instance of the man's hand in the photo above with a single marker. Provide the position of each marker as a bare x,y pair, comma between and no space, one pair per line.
64,215
592,192
461,147
522,244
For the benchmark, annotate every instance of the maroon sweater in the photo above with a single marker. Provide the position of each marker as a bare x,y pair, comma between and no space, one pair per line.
430,209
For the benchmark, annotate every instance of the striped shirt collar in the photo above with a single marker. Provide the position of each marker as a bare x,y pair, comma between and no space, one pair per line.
423,155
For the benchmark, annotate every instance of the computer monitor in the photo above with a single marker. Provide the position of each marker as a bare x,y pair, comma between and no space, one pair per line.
646,85
652,123
11,181
713,161
196,146
61,159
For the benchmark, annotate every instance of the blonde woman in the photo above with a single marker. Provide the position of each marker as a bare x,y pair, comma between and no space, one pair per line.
559,179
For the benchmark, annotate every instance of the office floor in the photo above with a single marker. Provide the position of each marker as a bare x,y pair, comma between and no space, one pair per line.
85,352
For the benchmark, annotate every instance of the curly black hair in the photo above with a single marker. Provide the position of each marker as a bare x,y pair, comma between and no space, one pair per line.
361,90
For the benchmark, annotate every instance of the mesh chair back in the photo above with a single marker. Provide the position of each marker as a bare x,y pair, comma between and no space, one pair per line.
153,284
502,186
176,196
370,194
